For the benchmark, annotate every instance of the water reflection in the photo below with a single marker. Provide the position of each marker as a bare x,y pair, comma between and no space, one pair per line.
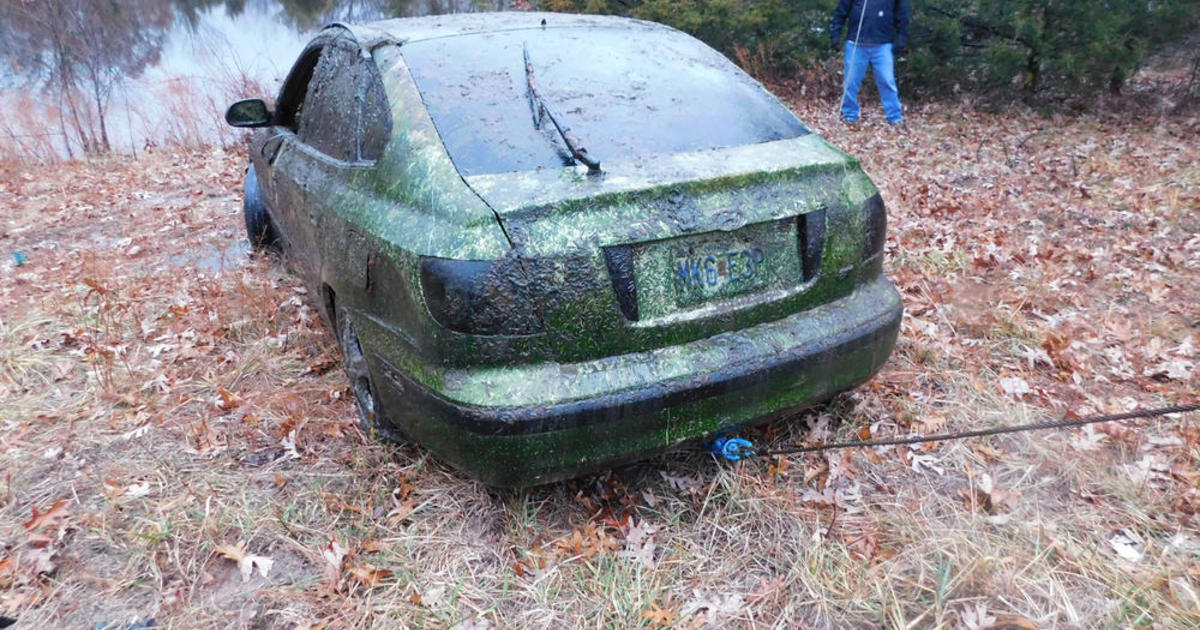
83,77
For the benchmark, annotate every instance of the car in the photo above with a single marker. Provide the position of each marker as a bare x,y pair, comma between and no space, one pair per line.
548,244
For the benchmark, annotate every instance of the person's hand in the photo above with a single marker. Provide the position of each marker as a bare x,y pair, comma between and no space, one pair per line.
835,42
899,48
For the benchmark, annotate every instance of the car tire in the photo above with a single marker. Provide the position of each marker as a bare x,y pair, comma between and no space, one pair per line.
259,228
366,397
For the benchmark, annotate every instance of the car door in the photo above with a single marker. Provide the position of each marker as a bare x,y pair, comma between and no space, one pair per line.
311,145
270,149
326,148
348,250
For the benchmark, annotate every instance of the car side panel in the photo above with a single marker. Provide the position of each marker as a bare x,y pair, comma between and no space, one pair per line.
378,220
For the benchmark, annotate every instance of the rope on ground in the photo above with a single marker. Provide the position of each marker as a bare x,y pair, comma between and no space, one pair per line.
737,449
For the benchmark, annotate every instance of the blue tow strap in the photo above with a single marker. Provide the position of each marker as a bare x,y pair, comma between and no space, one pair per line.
730,448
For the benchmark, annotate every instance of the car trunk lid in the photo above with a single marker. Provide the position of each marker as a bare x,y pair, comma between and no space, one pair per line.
687,233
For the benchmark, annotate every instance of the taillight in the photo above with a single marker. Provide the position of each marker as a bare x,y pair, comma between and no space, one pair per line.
619,260
480,297
811,230
875,227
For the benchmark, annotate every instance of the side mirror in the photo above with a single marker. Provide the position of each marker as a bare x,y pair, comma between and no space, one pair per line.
251,112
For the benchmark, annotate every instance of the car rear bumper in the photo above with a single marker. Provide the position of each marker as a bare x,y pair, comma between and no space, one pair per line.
532,424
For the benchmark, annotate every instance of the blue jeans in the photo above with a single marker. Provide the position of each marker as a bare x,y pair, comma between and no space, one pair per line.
879,57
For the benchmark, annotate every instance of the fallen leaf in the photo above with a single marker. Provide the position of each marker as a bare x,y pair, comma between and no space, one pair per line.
432,597
1006,622
714,606
368,575
928,462
660,616
9,566
1088,439
1127,544
639,544
335,557
42,561
1184,593
229,400
246,562
477,624
1014,386
976,617
51,518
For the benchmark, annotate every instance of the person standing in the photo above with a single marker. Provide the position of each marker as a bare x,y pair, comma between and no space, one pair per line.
876,32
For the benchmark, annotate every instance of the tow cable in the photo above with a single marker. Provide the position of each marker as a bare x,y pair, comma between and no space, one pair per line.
736,449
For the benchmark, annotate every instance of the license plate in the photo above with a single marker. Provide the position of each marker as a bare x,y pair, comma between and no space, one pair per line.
676,274
716,271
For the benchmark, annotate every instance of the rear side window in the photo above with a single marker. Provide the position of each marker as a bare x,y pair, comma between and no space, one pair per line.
329,119
628,94
376,118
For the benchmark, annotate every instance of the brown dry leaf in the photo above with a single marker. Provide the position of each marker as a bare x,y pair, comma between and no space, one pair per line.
1012,623
659,616
372,546
335,559
588,542
778,468
321,624
573,545
400,513
9,566
1184,593
113,488
246,562
204,437
338,503
229,400
42,561
321,366
766,588
95,286
986,496
38,541
368,575
51,518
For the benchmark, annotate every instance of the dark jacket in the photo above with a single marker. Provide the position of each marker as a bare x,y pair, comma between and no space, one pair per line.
885,22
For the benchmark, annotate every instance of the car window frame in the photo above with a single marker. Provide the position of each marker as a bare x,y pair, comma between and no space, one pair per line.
305,70
367,79
294,90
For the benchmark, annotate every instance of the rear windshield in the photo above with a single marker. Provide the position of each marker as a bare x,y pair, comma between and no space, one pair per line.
627,94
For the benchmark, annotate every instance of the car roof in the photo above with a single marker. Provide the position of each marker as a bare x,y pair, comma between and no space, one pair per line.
402,30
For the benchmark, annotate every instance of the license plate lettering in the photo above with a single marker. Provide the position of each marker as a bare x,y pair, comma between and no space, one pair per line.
678,274
712,271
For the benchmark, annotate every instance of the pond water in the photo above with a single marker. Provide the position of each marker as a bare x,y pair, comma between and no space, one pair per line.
81,76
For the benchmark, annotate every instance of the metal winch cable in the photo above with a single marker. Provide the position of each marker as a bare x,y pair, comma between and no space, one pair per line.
736,448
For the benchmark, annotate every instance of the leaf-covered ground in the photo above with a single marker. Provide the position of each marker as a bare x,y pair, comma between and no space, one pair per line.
176,442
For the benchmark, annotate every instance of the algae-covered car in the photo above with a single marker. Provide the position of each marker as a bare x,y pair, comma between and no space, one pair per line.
549,243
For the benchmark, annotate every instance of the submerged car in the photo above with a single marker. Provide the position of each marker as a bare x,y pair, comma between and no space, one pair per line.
550,243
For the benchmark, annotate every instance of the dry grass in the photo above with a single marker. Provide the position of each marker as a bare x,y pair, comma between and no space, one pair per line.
181,407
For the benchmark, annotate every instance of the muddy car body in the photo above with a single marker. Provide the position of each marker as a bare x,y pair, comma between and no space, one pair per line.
527,317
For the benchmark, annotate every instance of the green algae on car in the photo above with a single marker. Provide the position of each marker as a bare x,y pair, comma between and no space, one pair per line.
528,317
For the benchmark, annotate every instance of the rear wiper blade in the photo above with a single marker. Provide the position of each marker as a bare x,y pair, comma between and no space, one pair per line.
540,108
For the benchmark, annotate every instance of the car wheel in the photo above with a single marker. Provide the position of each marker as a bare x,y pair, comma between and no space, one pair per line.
259,228
366,398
